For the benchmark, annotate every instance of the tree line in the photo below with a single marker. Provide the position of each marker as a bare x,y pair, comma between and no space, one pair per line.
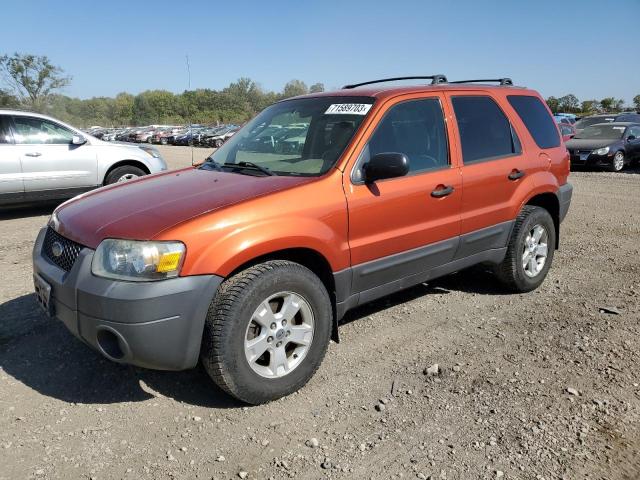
32,82
570,104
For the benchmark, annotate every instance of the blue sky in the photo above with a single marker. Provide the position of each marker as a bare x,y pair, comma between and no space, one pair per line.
583,47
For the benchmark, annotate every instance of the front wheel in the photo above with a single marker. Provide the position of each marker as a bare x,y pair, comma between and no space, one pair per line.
267,331
123,174
617,164
530,250
218,143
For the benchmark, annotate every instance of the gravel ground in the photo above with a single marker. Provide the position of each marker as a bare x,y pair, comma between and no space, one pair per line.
449,380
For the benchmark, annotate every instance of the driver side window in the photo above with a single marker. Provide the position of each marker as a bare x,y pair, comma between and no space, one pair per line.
415,128
38,131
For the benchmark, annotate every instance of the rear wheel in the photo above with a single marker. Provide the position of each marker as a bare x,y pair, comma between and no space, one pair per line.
267,331
123,174
617,164
530,250
218,143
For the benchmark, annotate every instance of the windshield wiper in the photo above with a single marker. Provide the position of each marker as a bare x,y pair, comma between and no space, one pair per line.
252,165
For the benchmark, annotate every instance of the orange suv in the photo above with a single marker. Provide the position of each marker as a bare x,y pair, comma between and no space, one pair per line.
319,204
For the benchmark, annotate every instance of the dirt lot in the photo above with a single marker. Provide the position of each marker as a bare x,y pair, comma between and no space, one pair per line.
536,386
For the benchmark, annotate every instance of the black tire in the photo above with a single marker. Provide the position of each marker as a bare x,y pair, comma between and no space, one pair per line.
222,352
511,272
163,141
117,173
617,166
218,143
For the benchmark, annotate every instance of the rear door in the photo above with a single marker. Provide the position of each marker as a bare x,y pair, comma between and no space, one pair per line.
49,160
11,184
403,226
493,167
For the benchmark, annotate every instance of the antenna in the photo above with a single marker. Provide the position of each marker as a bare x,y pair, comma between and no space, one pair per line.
188,115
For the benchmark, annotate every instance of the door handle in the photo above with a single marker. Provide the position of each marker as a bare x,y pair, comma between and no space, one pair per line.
516,174
33,154
442,191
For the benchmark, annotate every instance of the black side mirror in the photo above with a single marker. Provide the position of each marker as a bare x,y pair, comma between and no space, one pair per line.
631,137
385,165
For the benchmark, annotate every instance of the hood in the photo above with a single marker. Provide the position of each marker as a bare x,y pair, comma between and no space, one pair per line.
590,143
141,209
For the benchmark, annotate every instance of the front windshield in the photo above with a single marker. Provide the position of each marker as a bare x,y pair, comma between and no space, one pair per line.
302,137
602,131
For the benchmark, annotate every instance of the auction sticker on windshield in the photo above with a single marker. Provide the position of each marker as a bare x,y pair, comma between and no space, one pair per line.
348,108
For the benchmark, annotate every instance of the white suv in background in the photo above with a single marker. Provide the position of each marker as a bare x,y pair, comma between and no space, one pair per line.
45,159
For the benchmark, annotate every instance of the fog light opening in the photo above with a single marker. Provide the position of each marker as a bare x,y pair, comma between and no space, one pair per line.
112,345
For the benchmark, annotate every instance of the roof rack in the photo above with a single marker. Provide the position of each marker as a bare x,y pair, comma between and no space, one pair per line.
435,80
501,81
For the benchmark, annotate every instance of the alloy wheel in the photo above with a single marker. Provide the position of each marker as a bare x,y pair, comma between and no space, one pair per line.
618,161
534,255
279,335
126,177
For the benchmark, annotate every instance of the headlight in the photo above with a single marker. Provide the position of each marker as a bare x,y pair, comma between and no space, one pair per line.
151,151
137,261
601,151
53,220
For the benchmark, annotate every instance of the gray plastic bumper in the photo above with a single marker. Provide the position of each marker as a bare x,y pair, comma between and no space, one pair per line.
155,325
564,196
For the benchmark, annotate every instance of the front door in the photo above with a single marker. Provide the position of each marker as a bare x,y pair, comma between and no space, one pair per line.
633,142
403,226
49,160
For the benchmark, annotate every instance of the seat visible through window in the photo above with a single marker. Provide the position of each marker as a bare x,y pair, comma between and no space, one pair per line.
415,128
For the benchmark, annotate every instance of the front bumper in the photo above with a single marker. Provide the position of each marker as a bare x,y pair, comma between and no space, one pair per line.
591,160
155,325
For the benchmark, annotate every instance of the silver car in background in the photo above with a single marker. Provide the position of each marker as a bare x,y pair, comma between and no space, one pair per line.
42,158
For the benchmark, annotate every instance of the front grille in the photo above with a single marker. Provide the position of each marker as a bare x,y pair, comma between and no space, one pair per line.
68,249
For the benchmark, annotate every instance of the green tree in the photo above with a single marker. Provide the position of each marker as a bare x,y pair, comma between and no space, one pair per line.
295,88
123,109
32,78
316,88
636,102
553,104
611,104
7,100
569,103
590,106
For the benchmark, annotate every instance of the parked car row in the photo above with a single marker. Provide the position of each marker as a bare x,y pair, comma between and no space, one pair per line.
608,140
197,135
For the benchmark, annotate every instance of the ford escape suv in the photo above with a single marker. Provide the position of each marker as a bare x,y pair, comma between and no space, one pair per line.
42,158
249,260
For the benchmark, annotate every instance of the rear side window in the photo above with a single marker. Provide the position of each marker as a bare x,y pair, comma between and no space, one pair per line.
5,134
566,130
536,118
485,131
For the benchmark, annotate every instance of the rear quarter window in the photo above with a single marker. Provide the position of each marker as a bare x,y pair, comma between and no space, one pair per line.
536,118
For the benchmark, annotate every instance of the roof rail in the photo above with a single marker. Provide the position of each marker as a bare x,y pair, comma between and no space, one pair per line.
502,81
435,80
